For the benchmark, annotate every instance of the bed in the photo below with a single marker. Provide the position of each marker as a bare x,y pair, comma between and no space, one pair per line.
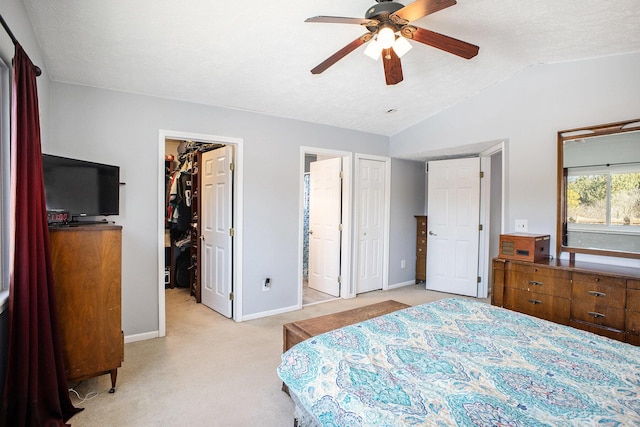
462,362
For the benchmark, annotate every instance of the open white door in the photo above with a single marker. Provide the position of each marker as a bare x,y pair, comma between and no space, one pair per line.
454,212
324,225
216,224
371,199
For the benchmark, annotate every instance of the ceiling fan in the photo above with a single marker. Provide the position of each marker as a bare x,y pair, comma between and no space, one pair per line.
388,28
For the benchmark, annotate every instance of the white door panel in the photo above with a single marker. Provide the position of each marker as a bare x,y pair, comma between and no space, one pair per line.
371,187
325,213
452,241
216,223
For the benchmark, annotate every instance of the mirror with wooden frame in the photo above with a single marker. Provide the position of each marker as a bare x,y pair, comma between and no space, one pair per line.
599,190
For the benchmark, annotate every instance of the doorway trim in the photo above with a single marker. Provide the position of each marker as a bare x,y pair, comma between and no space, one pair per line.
386,219
484,253
345,246
238,198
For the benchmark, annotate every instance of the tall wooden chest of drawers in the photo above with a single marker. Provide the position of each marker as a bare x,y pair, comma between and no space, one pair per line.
421,249
87,266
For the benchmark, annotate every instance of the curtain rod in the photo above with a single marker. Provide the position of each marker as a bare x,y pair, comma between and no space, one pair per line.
15,41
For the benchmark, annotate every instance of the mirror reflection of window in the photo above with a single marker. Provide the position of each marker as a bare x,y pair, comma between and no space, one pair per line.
603,199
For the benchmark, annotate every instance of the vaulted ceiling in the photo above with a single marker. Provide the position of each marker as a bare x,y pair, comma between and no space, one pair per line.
257,55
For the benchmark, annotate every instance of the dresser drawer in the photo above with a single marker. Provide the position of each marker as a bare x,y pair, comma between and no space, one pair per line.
595,294
632,325
597,314
422,227
550,284
633,300
538,305
599,279
633,284
422,241
605,332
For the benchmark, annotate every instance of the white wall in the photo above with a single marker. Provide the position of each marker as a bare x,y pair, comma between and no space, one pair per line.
122,129
528,110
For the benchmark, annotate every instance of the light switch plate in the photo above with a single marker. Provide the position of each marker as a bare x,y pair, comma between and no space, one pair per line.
522,225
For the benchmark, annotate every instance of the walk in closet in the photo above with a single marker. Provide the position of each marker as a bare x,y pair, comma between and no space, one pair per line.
183,160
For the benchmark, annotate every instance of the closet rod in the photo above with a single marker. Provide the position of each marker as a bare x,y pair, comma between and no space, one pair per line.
15,41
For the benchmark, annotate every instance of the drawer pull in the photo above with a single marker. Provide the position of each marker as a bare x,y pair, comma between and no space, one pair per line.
597,294
596,315
533,282
535,301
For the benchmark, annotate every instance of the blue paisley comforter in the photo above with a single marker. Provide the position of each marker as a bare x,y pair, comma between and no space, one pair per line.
466,363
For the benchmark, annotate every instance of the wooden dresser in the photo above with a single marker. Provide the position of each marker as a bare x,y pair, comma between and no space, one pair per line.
598,298
421,249
87,264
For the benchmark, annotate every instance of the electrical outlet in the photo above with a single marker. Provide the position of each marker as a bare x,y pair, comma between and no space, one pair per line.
522,225
403,263
266,284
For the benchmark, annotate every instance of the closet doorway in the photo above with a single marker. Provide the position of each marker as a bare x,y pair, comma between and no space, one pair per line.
325,243
199,214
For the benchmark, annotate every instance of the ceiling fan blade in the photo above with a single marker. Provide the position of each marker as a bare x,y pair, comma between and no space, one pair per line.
418,9
341,54
442,42
343,20
392,66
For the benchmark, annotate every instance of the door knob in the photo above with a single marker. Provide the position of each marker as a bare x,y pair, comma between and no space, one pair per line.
202,238
431,233
310,231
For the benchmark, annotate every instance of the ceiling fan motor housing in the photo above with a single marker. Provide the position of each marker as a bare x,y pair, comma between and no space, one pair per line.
381,13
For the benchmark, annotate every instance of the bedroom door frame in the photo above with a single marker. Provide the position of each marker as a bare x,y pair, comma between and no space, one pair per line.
488,234
346,285
238,192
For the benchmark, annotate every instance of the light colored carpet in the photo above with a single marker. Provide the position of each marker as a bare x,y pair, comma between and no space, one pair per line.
209,370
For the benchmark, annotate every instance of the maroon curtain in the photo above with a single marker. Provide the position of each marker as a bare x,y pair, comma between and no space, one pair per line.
36,391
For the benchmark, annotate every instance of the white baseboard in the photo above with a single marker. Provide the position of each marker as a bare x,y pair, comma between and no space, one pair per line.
141,337
270,313
402,284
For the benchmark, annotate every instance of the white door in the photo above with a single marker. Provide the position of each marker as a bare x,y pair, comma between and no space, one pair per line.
216,223
452,238
325,212
371,196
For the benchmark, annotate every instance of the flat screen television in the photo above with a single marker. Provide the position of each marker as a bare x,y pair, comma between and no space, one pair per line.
81,188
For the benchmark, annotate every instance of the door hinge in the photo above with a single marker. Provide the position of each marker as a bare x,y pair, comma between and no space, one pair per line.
481,174
231,166
341,175
231,232
480,227
340,227
339,279
230,296
479,279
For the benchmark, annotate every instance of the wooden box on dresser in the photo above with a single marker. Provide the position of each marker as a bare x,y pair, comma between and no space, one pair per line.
87,265
598,298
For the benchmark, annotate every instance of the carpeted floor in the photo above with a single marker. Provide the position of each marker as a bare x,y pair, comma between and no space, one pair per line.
209,370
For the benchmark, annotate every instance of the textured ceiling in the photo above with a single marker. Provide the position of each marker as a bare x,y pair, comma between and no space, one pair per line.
256,55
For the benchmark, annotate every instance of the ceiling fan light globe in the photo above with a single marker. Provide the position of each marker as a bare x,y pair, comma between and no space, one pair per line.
373,49
401,46
386,37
